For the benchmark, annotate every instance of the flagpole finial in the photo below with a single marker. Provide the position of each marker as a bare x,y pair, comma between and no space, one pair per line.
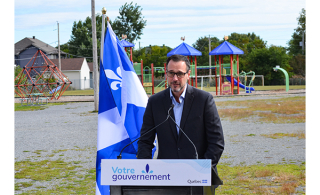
104,10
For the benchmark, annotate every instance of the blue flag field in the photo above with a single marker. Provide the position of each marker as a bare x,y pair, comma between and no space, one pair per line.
122,102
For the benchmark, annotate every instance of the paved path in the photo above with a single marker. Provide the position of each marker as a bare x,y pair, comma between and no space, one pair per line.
90,98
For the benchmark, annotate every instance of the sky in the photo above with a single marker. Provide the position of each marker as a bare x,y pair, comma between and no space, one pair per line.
273,20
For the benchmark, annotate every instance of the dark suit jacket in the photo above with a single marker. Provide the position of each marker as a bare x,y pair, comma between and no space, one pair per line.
200,121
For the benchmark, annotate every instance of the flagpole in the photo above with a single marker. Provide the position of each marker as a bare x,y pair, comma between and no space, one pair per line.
94,55
103,11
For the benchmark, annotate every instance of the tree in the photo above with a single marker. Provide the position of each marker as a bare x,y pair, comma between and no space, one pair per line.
130,22
152,54
298,60
80,43
298,64
294,43
22,78
263,60
246,42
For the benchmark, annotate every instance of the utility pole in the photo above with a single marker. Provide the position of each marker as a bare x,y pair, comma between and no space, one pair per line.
59,48
302,42
94,52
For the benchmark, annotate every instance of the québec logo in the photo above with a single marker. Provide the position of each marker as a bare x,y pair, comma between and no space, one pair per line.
147,169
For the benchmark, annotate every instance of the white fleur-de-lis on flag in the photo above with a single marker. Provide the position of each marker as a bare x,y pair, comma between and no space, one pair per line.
111,75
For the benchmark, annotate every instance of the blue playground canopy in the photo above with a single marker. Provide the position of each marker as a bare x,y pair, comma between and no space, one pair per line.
185,50
125,43
226,48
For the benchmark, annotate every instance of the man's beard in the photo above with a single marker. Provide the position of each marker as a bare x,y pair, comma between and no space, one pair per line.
176,89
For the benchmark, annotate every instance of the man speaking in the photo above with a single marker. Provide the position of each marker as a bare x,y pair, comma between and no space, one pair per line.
200,133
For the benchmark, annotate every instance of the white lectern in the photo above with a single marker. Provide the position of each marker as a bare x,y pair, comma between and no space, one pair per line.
147,176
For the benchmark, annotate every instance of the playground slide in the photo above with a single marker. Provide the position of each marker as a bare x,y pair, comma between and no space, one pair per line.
240,84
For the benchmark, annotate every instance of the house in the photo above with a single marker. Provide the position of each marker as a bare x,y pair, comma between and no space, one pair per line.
77,71
90,64
26,48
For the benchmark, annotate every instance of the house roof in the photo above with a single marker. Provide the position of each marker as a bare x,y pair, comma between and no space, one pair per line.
90,64
27,42
69,63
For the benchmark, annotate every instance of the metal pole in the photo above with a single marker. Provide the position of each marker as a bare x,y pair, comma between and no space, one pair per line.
201,82
220,80
238,92
94,55
231,73
152,76
96,77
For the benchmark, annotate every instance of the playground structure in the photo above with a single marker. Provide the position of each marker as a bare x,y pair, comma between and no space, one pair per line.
41,75
126,44
228,73
147,74
285,74
247,89
225,70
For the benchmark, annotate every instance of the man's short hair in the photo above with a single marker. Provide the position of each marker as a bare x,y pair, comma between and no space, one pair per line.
178,58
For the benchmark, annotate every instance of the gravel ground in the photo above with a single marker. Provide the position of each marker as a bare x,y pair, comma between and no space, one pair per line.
71,129
62,127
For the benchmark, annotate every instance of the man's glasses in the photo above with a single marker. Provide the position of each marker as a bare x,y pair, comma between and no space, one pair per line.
179,74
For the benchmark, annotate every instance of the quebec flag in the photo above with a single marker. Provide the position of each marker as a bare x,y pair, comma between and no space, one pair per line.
122,102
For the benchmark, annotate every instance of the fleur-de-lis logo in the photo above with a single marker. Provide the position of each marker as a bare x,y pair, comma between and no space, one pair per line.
147,169
111,75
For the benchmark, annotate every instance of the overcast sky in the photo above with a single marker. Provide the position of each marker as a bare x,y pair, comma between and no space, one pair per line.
273,20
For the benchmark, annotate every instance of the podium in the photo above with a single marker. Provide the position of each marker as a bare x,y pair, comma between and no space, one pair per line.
161,176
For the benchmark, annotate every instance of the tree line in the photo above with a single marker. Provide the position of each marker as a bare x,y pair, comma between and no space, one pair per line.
257,56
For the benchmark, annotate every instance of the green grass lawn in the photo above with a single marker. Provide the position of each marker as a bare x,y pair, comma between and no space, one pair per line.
79,92
282,110
24,107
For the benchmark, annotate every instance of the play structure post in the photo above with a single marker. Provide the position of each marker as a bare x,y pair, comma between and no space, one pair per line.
141,72
191,71
215,68
152,76
220,73
238,73
231,72
285,74
195,70
131,54
165,75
